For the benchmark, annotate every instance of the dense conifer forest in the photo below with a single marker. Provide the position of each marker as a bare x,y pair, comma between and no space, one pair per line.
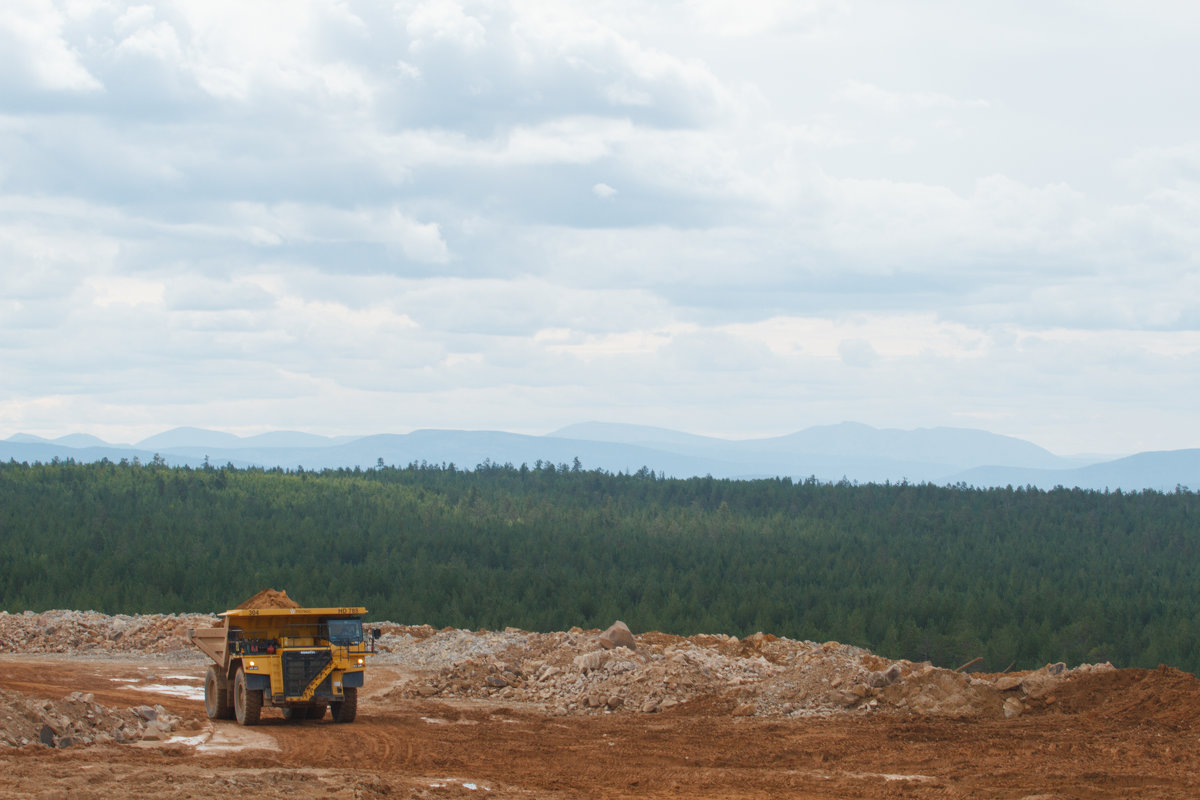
1018,576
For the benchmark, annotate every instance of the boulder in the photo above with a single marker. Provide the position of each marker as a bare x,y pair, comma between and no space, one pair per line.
1040,683
617,635
590,661
1012,708
877,680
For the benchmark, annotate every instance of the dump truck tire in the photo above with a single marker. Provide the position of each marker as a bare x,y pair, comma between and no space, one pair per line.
317,711
217,702
346,710
247,703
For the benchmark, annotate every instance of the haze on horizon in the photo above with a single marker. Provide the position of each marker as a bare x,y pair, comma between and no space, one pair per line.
732,219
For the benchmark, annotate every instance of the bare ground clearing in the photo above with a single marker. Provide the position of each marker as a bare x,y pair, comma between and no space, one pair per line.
431,727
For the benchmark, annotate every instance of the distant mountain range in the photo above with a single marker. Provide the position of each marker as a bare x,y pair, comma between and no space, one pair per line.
851,451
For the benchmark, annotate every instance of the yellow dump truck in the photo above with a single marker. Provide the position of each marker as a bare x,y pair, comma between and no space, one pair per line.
301,660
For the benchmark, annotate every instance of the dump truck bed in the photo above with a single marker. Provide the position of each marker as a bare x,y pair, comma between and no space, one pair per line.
274,622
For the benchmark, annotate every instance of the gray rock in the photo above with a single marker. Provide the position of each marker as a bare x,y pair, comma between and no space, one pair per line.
46,736
1006,683
877,680
592,660
157,731
617,635
1012,708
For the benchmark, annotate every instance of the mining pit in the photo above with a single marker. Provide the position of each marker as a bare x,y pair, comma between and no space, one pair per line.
97,706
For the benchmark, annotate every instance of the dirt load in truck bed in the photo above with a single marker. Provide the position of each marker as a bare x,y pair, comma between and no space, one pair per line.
269,598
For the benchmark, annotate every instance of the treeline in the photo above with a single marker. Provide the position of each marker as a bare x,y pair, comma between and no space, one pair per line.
1018,576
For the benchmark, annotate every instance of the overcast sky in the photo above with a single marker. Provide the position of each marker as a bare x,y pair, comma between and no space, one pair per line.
730,218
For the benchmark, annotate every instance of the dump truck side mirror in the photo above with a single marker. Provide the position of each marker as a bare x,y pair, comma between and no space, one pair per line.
375,634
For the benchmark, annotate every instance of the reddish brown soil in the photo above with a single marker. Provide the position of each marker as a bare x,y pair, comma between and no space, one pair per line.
269,598
1129,733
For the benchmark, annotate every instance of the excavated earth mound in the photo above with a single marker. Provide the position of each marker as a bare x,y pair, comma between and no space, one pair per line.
78,720
269,598
1165,697
761,675
577,672
92,633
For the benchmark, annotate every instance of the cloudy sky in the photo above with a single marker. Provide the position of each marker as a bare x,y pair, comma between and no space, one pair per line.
731,218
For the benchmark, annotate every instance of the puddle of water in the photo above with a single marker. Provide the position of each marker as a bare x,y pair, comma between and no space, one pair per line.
191,741
229,737
444,782
186,692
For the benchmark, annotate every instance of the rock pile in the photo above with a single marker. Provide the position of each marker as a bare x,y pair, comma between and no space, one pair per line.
582,672
589,672
77,720
92,632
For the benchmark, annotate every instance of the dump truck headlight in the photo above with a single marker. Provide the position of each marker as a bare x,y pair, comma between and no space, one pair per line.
251,665
360,662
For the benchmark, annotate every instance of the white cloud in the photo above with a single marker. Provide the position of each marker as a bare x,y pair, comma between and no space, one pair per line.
875,97
889,215
33,47
444,21
109,291
756,17
295,223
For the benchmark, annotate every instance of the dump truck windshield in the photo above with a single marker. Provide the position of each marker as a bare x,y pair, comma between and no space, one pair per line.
345,632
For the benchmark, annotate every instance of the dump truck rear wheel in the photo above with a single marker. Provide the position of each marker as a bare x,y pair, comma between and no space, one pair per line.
217,702
317,711
247,703
346,710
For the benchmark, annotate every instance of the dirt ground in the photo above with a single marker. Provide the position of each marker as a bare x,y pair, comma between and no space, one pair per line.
1116,734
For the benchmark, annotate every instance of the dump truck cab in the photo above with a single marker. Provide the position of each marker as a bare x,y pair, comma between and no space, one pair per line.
301,660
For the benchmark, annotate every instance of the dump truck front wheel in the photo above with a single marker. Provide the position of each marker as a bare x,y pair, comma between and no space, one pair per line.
247,703
345,710
217,702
